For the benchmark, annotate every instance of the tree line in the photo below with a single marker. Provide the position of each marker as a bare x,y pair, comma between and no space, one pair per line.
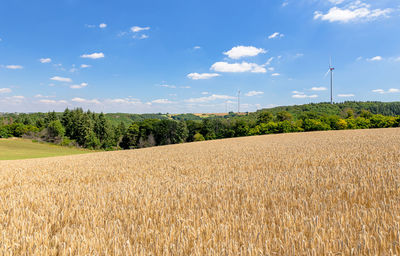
94,131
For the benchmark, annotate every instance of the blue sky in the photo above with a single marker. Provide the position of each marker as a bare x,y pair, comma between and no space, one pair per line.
194,56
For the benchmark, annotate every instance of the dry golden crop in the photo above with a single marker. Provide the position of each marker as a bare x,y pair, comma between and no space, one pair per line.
322,193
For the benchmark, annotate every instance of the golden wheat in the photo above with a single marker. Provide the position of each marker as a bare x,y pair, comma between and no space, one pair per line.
322,193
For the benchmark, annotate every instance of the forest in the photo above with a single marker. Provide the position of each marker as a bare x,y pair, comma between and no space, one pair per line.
91,130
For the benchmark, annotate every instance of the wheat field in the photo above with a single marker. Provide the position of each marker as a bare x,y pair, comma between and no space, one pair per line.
320,193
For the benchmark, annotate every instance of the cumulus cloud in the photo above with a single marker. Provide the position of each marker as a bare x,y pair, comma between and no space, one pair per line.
47,101
5,90
141,37
78,86
391,90
275,74
103,25
136,29
61,79
43,96
276,35
14,67
346,95
376,58
238,67
85,66
96,55
45,60
86,101
125,101
254,93
197,76
353,12
319,88
302,95
18,97
212,97
162,101
244,51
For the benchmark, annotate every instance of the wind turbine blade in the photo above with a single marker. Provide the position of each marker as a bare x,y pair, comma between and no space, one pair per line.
327,72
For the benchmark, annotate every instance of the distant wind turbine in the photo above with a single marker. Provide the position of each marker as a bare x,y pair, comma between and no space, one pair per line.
331,69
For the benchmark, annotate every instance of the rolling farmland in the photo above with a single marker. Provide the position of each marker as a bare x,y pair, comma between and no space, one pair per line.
16,148
318,193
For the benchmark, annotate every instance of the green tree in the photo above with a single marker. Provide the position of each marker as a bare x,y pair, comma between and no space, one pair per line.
198,137
283,116
55,129
130,139
264,117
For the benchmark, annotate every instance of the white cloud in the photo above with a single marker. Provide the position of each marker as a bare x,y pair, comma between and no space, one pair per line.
355,11
197,76
14,67
196,47
5,90
138,29
276,35
254,93
95,55
204,93
47,101
45,60
85,66
61,79
381,91
275,74
82,100
285,3
162,101
42,96
103,25
318,89
18,97
209,98
78,86
346,95
185,87
143,36
376,58
244,51
168,86
391,90
238,67
126,101
303,96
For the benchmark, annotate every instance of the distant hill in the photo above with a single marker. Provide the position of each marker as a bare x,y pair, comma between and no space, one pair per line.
375,107
324,108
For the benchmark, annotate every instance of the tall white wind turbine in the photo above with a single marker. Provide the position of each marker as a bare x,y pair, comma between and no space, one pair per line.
331,69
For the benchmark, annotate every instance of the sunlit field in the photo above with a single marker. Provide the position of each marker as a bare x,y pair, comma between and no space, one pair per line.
12,149
319,193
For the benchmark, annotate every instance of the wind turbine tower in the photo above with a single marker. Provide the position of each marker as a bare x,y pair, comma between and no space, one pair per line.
331,69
